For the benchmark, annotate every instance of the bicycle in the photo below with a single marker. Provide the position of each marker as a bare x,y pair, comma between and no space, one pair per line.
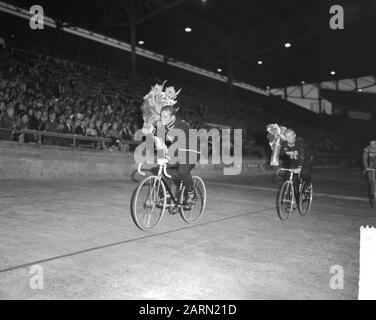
286,202
155,201
371,187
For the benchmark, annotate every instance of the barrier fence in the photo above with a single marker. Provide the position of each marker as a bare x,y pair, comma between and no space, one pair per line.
74,141
57,138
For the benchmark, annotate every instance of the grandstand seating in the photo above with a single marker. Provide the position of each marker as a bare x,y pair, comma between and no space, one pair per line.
32,80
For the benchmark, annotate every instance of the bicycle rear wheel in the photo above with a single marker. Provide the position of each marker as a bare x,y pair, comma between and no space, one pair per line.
285,200
149,203
372,193
195,212
305,198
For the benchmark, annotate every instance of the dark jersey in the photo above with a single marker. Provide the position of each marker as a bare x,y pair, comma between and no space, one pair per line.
371,156
176,139
295,153
178,124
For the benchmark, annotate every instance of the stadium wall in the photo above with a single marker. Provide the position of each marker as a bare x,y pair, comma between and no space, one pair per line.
21,161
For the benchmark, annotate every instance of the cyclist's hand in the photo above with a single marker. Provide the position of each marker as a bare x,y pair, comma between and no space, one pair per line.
159,144
162,161
298,170
148,129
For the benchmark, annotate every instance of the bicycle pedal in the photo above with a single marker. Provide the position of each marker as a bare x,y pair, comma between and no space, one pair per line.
173,211
189,206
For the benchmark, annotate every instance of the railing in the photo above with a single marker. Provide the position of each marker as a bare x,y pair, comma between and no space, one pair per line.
76,139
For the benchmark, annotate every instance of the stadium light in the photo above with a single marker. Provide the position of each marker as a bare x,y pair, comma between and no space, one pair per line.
141,42
332,73
219,70
303,82
287,44
188,29
99,38
259,62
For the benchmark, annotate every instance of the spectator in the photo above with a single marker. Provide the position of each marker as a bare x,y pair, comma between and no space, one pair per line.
81,127
7,123
36,120
68,126
51,125
2,109
105,130
22,124
126,134
91,132
114,134
44,120
98,124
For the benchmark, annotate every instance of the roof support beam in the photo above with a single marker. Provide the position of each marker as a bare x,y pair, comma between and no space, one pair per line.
159,11
25,14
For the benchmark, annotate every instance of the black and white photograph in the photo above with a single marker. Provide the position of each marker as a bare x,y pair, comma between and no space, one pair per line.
200,152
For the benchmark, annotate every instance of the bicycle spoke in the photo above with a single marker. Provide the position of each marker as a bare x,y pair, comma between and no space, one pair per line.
285,200
305,199
194,213
146,210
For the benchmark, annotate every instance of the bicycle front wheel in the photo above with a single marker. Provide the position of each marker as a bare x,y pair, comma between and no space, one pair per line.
194,213
149,203
305,199
285,200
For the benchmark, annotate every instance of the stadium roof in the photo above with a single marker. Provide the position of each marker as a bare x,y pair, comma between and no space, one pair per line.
242,31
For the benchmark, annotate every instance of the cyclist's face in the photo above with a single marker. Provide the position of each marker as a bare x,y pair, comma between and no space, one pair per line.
290,137
166,117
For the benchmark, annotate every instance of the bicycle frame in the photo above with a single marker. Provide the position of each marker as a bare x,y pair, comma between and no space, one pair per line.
288,170
163,169
290,179
373,177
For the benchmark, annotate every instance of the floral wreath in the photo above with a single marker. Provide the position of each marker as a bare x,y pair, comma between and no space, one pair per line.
159,98
276,130
155,100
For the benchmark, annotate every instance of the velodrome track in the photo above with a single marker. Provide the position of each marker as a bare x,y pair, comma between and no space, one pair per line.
89,247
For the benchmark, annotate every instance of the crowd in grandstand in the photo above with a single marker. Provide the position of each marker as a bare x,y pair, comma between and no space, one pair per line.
55,95
45,93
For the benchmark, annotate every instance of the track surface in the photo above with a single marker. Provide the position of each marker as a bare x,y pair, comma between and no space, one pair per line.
81,233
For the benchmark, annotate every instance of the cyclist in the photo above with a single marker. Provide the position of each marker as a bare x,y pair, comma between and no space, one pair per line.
300,158
369,158
180,170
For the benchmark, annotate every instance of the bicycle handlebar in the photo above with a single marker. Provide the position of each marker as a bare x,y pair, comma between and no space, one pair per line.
165,171
369,169
139,169
163,167
283,169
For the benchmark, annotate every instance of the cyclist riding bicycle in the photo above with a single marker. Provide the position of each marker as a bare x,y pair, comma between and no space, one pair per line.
180,170
369,157
300,158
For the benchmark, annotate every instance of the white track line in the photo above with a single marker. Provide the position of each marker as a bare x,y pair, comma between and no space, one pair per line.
315,194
